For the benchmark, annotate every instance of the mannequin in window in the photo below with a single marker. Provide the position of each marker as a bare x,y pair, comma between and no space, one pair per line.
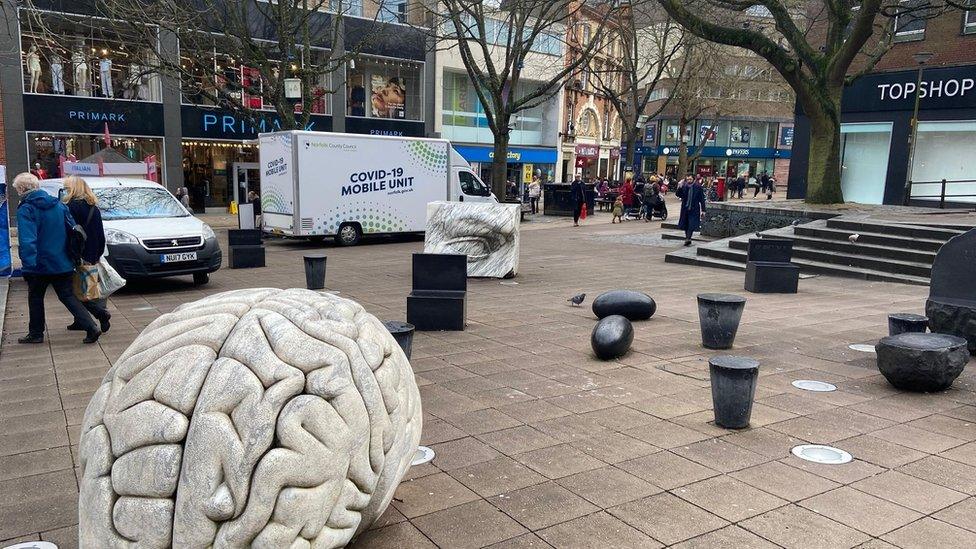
34,68
357,101
105,76
57,73
79,66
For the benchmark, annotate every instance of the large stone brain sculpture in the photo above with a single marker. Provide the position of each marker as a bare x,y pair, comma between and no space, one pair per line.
266,418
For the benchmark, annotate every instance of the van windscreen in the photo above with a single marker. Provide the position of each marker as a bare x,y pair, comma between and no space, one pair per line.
137,203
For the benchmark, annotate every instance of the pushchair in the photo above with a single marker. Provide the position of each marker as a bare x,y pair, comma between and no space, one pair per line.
655,207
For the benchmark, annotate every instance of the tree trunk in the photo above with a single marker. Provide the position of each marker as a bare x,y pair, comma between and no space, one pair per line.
630,141
682,160
499,166
823,172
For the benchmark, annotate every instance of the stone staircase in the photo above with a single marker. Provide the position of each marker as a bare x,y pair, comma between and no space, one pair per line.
891,252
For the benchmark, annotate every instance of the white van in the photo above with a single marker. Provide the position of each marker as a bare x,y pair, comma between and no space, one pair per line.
324,184
148,232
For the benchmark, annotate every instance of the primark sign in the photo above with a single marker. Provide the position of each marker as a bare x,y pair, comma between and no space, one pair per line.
940,88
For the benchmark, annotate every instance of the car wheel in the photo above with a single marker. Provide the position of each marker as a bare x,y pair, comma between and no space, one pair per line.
349,235
200,279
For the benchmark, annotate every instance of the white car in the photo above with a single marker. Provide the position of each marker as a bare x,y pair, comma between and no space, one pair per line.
148,232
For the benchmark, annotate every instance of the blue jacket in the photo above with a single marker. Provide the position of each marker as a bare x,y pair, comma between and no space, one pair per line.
42,233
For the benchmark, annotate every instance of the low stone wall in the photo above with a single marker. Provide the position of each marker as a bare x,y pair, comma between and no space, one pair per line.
724,220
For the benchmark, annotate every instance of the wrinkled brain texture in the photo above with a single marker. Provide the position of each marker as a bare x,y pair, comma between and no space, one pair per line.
253,418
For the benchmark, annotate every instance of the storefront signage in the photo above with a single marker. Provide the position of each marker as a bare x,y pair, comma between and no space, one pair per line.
72,114
202,122
516,155
650,133
588,151
385,126
941,88
730,152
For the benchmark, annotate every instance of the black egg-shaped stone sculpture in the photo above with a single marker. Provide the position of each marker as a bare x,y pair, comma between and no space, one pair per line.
627,303
612,337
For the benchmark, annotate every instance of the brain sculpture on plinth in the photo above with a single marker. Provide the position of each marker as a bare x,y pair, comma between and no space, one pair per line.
262,417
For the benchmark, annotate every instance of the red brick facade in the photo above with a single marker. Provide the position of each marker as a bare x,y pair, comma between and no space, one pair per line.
945,36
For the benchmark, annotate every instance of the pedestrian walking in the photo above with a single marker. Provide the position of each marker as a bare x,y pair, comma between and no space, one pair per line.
627,194
618,211
535,191
763,184
692,206
740,186
83,206
577,193
42,234
254,199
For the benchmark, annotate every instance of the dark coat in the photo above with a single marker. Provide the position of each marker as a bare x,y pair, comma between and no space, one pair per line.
577,191
692,206
42,234
95,241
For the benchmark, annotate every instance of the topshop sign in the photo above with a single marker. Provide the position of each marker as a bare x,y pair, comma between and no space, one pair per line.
941,88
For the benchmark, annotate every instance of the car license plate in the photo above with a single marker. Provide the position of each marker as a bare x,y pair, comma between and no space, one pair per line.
178,258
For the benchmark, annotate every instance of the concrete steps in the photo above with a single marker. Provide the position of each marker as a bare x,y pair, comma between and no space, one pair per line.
883,252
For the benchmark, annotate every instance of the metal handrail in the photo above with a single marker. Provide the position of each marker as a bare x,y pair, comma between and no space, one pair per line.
942,193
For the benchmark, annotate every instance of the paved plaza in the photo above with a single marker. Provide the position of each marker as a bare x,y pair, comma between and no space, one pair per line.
539,444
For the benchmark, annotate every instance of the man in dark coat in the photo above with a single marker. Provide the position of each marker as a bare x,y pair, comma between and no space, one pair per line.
692,197
42,233
577,193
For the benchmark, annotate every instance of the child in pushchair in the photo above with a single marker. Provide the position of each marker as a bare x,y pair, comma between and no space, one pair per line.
653,205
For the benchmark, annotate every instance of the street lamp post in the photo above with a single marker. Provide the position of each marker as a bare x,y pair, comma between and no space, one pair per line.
921,58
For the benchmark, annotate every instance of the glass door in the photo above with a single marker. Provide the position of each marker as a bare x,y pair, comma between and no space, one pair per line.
864,150
247,177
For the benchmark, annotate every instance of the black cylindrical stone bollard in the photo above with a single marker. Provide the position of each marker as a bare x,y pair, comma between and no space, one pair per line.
719,316
402,333
899,323
733,389
315,271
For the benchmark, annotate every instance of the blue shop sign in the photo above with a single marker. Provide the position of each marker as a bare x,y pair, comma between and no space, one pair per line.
516,155
730,152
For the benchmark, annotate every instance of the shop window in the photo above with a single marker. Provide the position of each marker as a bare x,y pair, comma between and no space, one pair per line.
464,118
214,78
910,23
48,149
385,89
63,55
969,22
352,7
392,11
864,161
740,135
943,150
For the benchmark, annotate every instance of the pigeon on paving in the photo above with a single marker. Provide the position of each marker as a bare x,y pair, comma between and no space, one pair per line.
758,234
853,238
796,222
577,299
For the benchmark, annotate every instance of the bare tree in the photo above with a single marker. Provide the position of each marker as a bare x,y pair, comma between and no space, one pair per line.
498,42
813,45
651,47
235,54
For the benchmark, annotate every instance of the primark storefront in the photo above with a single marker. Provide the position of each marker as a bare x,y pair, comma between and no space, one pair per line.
876,124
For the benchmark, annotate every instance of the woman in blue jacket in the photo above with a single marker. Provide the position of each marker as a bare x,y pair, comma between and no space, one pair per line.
42,234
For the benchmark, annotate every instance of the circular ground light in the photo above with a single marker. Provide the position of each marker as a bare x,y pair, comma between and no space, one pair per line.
33,545
815,386
422,455
862,347
818,453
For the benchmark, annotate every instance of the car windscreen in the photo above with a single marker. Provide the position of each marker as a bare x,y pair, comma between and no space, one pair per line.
137,203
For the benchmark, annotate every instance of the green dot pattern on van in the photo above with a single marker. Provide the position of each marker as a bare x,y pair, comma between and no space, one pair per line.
373,218
273,202
425,155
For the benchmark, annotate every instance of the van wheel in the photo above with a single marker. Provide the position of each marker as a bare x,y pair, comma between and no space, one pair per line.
349,234
199,279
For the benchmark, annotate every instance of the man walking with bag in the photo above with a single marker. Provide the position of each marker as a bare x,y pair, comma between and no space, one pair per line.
81,203
43,223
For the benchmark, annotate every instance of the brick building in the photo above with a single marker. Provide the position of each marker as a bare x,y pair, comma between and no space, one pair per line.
879,163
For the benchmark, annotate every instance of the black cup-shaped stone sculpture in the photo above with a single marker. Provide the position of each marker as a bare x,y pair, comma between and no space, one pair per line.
922,362
899,323
719,316
628,303
733,389
403,334
612,337
315,271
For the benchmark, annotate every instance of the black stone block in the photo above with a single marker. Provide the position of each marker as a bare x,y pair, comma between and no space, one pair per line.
246,257
627,303
432,311
922,362
778,250
951,306
764,277
244,237
899,323
611,337
440,272
956,318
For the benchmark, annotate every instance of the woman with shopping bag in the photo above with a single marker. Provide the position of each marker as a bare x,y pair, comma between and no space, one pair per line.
82,202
